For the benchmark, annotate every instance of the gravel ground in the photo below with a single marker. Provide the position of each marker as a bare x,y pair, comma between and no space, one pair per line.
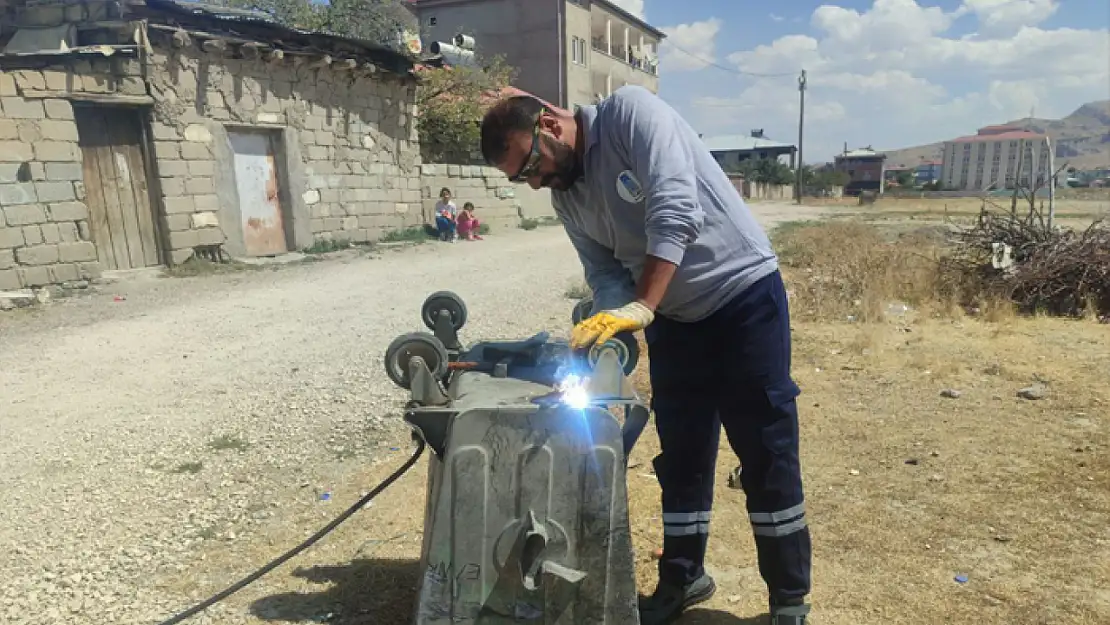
155,416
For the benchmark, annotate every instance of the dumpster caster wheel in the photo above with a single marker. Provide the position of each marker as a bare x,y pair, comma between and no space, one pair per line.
405,347
443,301
581,310
628,352
628,347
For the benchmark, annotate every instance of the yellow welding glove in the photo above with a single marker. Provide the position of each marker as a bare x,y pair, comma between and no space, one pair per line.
608,323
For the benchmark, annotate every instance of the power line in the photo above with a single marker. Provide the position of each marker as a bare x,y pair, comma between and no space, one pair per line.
732,70
720,105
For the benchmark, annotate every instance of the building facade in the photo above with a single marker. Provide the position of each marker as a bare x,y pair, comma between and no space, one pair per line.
864,168
731,150
928,172
568,52
998,157
180,136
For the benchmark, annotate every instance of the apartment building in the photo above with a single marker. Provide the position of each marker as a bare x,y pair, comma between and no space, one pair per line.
928,172
864,168
568,52
991,158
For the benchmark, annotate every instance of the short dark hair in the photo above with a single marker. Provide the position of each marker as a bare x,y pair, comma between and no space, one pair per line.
444,190
469,205
515,114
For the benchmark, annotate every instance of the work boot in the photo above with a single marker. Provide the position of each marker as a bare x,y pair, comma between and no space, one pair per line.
670,600
793,614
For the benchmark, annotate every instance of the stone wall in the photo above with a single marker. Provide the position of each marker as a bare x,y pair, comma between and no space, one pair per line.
498,203
44,232
349,149
347,152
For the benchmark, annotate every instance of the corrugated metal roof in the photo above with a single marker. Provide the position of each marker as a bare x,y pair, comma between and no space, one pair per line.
732,143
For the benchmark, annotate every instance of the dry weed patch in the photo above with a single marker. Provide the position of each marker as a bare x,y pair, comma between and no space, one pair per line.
921,461
908,488
848,270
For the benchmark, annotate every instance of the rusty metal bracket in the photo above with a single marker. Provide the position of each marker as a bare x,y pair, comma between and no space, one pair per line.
426,389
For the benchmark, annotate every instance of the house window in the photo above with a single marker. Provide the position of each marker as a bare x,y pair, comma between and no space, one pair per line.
578,51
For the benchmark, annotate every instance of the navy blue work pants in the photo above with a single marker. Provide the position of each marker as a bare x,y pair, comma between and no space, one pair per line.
731,369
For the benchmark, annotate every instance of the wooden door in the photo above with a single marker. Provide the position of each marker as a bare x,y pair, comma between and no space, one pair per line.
121,220
256,178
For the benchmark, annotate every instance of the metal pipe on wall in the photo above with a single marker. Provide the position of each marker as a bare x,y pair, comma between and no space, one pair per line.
560,11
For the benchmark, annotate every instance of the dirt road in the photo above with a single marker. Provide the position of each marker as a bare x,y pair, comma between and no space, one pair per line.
158,416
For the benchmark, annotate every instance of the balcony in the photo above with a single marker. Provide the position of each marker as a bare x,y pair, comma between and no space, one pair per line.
625,43
629,56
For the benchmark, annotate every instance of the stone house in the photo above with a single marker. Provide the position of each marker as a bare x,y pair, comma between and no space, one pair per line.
139,133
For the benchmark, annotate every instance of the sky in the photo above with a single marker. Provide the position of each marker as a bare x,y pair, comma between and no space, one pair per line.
882,73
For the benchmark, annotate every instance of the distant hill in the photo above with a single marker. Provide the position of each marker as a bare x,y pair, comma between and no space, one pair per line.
1082,139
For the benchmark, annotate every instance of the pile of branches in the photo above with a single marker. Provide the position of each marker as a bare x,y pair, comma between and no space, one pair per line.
1050,270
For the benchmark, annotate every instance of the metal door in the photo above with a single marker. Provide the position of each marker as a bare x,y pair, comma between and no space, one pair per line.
256,178
121,221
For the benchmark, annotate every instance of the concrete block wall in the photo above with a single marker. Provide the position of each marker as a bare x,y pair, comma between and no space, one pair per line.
348,155
44,232
498,203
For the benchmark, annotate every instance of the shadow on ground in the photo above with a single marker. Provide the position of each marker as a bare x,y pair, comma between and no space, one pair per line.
383,592
716,617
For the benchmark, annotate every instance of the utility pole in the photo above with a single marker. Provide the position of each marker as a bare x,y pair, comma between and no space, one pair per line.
799,181
1051,181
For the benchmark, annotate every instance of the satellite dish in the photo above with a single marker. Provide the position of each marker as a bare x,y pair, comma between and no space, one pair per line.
466,42
452,55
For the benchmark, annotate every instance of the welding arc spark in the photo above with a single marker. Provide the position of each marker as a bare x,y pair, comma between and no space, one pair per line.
573,392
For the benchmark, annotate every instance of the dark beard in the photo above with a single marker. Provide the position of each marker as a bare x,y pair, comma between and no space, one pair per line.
568,167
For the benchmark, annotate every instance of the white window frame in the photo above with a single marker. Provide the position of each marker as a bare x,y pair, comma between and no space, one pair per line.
578,51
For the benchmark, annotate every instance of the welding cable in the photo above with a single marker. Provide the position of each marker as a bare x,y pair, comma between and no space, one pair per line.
243,583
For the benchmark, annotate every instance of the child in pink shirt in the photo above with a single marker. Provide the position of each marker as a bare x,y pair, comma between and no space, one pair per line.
468,223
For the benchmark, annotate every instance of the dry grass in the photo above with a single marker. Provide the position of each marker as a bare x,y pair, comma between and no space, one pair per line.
849,271
1069,212
906,488
1014,494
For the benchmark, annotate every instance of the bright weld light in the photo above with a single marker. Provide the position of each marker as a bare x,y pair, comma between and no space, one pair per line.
573,392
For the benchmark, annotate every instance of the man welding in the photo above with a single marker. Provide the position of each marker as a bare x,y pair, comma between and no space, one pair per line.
670,248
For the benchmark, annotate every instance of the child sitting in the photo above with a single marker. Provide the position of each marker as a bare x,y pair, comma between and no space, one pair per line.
468,223
445,216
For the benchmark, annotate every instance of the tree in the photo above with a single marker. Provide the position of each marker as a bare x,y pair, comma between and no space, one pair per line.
374,21
905,178
452,101
820,181
765,170
300,14
774,171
